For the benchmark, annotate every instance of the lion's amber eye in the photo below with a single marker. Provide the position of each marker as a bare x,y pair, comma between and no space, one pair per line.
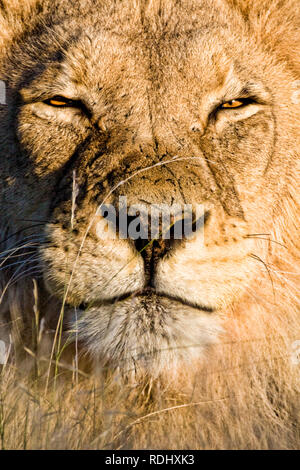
59,102
233,104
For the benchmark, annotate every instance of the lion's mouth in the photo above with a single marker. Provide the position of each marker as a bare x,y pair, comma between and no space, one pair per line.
149,296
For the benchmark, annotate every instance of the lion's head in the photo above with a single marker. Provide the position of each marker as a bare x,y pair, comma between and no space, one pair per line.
175,103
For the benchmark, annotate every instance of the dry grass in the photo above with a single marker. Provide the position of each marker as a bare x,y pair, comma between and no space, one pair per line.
246,396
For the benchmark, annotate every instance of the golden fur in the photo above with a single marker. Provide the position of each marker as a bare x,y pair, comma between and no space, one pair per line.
224,313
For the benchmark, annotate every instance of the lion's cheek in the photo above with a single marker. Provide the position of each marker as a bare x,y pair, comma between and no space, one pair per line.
97,271
221,271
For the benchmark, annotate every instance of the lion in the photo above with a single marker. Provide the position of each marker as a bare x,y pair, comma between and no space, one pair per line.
192,102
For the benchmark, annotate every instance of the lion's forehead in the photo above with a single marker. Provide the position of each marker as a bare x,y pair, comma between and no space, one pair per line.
143,19
130,47
97,57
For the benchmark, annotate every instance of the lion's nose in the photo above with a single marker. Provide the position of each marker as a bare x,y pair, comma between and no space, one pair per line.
152,251
155,238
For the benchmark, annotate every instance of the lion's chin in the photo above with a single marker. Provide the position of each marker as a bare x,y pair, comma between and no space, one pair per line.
146,332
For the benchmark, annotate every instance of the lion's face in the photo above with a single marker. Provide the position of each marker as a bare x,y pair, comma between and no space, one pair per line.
175,110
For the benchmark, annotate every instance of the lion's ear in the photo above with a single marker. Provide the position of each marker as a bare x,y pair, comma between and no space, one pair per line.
277,24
